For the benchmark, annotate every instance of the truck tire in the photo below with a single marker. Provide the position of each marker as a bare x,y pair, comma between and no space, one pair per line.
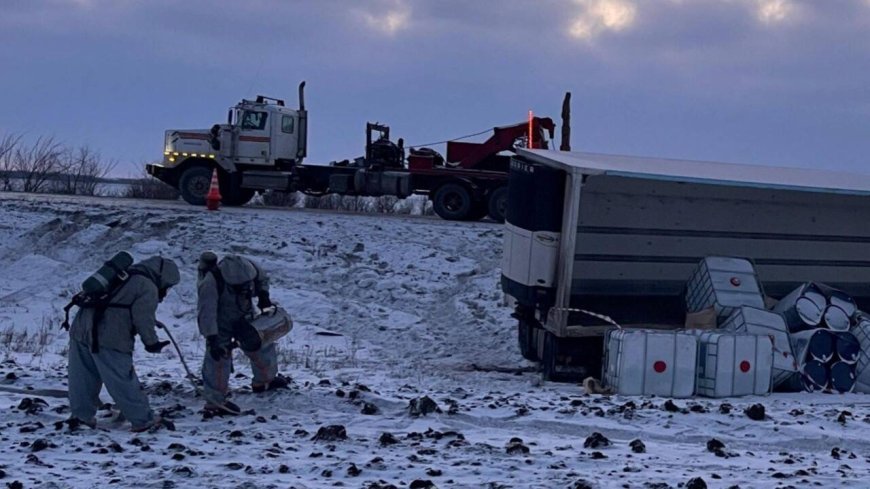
194,183
498,204
526,340
453,202
550,358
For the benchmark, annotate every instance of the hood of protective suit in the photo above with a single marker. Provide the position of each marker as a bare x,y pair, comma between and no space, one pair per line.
163,271
236,270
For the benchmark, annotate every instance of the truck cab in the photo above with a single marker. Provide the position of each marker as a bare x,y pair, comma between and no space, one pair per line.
260,134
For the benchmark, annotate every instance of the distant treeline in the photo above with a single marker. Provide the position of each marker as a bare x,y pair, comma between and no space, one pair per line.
47,165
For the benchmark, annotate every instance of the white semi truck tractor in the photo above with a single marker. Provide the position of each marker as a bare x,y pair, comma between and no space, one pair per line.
260,134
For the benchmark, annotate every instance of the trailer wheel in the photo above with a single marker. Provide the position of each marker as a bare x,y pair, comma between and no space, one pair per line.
550,358
526,340
194,183
453,202
498,204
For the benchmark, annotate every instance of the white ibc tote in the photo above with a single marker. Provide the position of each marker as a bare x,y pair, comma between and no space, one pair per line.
651,362
724,283
862,369
734,364
760,322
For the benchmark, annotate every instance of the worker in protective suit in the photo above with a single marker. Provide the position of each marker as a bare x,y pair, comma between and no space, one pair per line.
225,305
101,346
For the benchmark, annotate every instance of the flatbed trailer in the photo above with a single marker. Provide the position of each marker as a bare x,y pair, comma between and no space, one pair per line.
469,184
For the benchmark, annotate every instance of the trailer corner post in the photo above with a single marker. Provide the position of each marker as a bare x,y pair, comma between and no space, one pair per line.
574,181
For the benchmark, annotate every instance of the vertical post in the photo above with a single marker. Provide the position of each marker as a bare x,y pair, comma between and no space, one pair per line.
566,123
567,245
530,131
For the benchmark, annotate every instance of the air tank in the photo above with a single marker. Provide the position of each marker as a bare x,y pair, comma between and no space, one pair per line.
101,281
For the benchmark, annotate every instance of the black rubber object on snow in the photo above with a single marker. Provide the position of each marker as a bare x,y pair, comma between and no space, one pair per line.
279,382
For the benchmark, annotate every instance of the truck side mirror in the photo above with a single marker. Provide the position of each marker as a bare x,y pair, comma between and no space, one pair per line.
230,117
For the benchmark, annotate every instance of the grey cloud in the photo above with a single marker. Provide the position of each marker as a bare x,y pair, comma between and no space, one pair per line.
697,78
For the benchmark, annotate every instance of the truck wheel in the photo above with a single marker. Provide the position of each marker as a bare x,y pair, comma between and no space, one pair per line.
526,340
194,183
498,204
549,359
452,202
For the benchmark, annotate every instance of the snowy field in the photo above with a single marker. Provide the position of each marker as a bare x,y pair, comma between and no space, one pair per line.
388,309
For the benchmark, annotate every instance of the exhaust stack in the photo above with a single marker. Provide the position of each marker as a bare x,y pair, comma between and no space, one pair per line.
302,132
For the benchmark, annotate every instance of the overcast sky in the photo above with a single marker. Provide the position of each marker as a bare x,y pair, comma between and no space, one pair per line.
784,82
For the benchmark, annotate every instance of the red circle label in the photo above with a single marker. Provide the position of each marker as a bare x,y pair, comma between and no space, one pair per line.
660,366
735,281
745,366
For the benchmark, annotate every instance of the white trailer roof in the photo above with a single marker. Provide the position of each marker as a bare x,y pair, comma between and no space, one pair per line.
702,171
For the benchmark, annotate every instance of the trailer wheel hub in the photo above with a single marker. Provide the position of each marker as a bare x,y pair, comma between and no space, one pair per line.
453,202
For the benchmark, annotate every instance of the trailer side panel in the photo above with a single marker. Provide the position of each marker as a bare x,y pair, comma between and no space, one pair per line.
644,237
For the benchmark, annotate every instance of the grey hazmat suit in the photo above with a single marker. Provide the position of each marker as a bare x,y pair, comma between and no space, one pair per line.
101,344
224,303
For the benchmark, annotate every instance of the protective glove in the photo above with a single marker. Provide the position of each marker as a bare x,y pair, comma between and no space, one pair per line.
217,350
263,300
156,347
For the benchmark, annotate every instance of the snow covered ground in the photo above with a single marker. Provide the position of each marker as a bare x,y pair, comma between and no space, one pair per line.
388,309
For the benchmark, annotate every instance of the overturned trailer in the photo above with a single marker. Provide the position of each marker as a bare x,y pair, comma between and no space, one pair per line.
619,236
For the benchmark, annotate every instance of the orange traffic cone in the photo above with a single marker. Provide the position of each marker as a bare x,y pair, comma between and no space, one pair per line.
213,198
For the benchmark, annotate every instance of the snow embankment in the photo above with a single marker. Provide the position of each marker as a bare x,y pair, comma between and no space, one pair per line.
388,310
